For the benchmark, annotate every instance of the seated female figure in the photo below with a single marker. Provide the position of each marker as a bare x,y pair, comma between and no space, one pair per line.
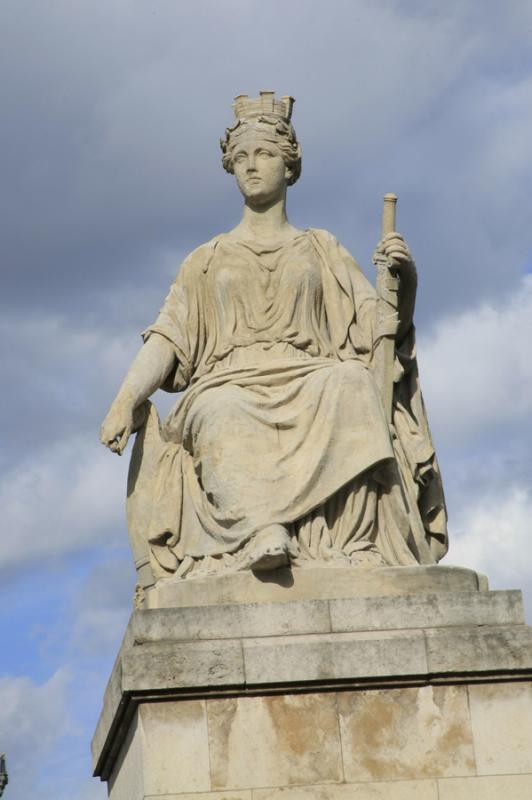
279,451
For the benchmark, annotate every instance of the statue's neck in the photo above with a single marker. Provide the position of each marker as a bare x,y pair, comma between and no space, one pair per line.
263,222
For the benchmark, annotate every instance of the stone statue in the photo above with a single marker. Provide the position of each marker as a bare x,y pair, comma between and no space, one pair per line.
279,451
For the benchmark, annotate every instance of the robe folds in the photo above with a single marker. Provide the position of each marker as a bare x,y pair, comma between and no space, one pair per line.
280,420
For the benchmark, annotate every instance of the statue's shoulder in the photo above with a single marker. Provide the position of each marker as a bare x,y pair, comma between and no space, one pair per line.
330,243
198,259
325,238
341,262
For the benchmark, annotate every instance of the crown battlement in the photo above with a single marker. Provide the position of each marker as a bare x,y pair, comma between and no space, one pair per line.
246,107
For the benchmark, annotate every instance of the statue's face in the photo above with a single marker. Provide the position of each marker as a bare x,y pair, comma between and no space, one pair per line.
260,169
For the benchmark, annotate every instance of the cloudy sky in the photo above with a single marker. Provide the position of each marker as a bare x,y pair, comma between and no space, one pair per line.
111,115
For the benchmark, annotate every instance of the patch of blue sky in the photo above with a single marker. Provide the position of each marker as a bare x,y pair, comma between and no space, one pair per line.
48,595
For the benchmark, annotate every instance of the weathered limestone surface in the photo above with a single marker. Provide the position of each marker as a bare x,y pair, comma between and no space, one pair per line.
313,583
507,709
423,695
516,787
285,447
315,746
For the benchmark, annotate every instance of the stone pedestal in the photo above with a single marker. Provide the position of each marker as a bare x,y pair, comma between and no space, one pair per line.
324,684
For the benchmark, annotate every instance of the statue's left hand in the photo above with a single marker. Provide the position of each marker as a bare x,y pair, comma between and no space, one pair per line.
394,247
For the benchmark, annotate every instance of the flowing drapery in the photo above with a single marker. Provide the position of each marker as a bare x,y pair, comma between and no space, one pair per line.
280,420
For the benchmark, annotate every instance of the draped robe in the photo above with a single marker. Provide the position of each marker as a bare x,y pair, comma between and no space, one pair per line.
280,420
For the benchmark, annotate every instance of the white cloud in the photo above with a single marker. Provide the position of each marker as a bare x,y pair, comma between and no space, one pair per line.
58,382
56,353
68,497
101,608
47,751
33,719
492,533
477,370
60,490
476,373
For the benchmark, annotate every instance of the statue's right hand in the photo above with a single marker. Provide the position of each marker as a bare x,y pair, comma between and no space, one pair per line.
117,426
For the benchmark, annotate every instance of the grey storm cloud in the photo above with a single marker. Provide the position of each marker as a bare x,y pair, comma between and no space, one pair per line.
113,112
111,166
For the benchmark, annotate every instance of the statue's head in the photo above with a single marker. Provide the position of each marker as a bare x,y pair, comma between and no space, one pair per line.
267,119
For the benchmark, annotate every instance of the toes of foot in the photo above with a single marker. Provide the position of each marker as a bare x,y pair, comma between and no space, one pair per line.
275,550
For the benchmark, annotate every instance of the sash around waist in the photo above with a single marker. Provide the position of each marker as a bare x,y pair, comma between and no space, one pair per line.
253,355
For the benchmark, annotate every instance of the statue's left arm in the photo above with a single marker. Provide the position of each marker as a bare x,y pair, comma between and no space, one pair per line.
394,247
413,435
351,304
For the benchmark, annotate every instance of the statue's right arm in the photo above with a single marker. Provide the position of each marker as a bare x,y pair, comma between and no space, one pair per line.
147,373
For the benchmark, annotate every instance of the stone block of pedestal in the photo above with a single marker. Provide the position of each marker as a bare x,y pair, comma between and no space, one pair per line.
422,692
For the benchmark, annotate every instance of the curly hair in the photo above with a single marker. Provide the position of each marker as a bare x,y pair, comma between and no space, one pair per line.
276,130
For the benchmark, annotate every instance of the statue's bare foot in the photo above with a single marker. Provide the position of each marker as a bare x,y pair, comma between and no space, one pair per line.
271,548
368,558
